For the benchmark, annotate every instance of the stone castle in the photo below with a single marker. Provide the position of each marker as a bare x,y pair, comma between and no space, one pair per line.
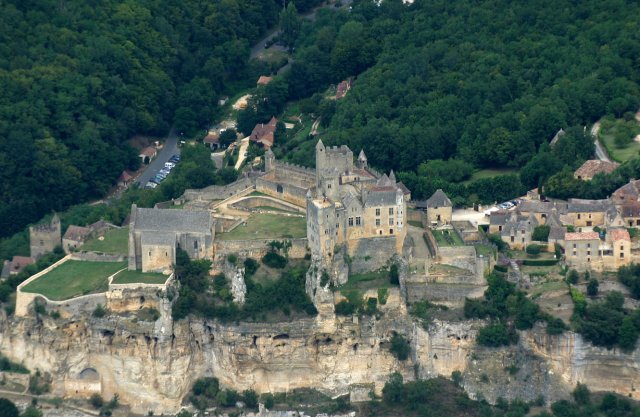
352,207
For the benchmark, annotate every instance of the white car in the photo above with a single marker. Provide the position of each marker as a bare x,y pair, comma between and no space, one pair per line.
169,165
151,185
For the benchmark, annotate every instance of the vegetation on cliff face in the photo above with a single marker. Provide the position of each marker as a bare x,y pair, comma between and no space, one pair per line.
202,296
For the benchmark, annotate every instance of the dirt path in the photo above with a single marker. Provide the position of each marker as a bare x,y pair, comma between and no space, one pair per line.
601,154
244,145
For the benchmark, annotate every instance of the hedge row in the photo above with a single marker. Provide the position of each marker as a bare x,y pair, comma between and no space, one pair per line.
539,262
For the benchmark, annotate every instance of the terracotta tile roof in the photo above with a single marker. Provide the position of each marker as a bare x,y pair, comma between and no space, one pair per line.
582,236
619,234
212,138
264,80
19,262
342,89
593,167
264,134
148,151
124,177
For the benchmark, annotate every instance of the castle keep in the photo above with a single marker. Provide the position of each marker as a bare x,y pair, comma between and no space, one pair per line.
43,238
353,207
154,235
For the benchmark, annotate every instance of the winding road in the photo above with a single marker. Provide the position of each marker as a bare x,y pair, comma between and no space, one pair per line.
601,154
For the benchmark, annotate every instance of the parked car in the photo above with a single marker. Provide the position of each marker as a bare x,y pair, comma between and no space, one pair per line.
155,180
150,185
165,171
169,165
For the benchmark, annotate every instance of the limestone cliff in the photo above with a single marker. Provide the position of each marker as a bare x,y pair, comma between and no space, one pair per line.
152,365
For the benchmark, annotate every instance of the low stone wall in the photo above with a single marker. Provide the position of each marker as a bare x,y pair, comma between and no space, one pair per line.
451,295
219,192
371,254
431,243
283,191
251,202
23,300
97,257
467,232
258,248
461,256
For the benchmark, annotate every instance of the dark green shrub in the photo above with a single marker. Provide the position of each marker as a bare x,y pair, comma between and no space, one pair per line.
533,250
274,260
394,276
232,258
99,311
399,347
250,267
539,262
497,334
8,408
96,401
345,308
541,233
592,287
501,268
573,276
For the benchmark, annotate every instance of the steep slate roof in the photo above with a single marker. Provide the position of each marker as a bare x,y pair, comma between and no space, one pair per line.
628,192
77,233
543,207
581,236
557,233
595,166
162,238
619,234
499,217
631,209
381,196
439,199
172,220
588,206
517,222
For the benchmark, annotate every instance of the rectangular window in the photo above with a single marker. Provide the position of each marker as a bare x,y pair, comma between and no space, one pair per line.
589,253
358,222
578,216
390,231
513,239
499,228
377,212
390,222
588,245
588,259
377,222
574,246
390,211
574,253
350,221
621,255
337,225
621,247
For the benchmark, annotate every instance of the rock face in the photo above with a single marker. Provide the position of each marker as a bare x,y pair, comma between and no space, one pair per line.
152,365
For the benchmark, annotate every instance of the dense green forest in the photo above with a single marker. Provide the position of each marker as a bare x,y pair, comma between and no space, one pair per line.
79,78
487,84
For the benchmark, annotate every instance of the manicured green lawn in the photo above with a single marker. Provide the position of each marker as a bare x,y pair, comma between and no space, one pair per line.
447,238
268,226
484,250
115,241
489,173
74,278
630,151
271,208
130,277
415,223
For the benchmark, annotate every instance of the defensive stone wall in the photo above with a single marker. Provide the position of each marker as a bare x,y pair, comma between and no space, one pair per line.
219,192
416,216
371,254
281,190
251,202
294,172
257,248
431,243
97,257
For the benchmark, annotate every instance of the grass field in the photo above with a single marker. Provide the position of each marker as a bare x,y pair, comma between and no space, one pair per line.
130,277
271,208
489,173
611,128
368,280
485,250
447,238
74,278
268,226
115,241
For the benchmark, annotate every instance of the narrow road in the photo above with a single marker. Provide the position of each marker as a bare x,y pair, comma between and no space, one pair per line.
601,154
170,148
244,145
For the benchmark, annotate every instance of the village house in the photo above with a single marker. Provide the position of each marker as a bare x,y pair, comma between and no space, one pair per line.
15,266
439,209
593,167
342,88
124,179
147,154
74,237
212,140
264,134
586,251
518,230
264,80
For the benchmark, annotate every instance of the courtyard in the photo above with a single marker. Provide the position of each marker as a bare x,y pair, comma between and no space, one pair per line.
74,278
268,226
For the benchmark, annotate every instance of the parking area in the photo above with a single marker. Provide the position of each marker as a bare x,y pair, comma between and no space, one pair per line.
163,173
